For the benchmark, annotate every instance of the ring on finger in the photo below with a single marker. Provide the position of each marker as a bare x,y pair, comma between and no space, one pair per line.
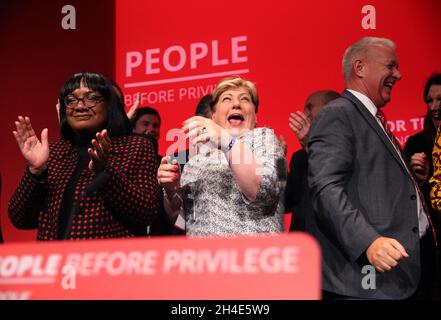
204,129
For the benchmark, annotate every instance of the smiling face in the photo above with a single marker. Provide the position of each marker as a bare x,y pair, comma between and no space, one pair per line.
84,120
379,73
235,110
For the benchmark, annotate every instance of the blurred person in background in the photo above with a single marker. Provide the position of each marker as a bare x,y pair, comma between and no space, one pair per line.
297,198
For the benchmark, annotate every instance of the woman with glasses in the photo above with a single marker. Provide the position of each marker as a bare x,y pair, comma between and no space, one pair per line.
97,181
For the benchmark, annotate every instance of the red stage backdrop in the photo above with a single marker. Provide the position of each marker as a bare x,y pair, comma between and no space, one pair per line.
173,52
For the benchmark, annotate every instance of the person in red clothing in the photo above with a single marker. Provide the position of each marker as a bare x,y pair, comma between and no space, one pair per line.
97,181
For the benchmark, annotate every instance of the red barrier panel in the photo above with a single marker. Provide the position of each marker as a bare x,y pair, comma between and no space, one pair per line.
247,268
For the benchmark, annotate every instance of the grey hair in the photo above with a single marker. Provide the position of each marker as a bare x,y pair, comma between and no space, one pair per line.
359,50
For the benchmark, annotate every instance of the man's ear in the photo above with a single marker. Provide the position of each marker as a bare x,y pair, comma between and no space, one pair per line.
359,68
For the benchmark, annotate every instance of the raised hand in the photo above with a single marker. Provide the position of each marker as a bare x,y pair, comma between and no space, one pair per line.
134,108
300,124
35,152
200,129
420,166
100,152
57,106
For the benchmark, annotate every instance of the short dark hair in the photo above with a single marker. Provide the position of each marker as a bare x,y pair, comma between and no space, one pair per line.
117,123
435,79
143,111
204,106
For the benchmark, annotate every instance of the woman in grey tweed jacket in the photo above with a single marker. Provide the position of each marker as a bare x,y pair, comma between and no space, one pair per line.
236,174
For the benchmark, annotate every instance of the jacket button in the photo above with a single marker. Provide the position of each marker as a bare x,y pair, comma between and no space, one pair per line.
413,197
415,229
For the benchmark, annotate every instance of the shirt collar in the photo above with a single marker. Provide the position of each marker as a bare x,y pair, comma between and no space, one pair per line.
365,101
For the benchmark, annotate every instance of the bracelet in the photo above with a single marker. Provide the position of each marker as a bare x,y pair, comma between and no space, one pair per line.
175,195
229,146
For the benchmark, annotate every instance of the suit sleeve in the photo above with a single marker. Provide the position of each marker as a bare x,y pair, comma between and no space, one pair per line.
330,165
435,180
134,195
294,188
27,202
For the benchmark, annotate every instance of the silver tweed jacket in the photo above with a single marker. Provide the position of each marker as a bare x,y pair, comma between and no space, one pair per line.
212,201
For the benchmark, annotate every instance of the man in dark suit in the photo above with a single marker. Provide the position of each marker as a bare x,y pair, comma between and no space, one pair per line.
297,199
367,203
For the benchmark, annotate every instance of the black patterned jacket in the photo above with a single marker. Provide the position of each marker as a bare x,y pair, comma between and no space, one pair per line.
123,206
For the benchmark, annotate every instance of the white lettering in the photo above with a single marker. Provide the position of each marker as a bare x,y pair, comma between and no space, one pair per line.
369,20
251,261
182,57
14,295
150,60
28,265
114,263
236,48
198,51
69,21
191,57
133,60
368,281
215,57
68,282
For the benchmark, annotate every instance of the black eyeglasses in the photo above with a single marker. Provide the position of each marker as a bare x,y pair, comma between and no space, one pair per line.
90,100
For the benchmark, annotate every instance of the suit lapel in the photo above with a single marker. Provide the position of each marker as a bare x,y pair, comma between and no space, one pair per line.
376,127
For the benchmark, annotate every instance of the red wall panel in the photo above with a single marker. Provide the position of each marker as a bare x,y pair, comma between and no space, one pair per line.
292,48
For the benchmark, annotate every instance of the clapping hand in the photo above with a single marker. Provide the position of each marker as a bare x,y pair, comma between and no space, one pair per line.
100,151
420,166
200,129
300,124
134,108
35,152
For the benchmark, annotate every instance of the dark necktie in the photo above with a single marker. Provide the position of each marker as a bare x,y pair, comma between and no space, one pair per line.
380,115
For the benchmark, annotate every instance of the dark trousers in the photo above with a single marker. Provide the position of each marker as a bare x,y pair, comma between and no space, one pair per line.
429,285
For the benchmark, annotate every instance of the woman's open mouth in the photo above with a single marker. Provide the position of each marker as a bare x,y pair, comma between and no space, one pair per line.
235,119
